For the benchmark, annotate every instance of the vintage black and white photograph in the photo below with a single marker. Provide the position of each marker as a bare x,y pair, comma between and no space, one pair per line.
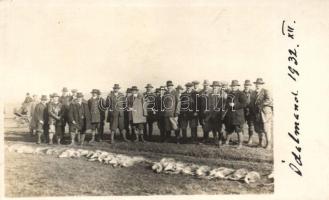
141,99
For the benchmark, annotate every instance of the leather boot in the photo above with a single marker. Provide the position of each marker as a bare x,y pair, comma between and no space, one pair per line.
260,144
184,134
250,137
142,136
72,138
51,135
177,134
112,137
39,137
136,134
79,137
228,138
82,139
92,137
240,139
124,136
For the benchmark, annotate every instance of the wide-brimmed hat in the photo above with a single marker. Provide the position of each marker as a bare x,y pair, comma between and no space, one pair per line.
195,82
216,83
179,87
235,83
95,91
169,83
74,90
134,88
247,82
206,82
188,84
148,86
44,98
65,89
259,81
79,95
116,86
55,95
157,90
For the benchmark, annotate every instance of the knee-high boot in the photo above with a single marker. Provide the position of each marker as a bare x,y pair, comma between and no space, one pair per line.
123,132
51,135
92,137
39,137
240,139
72,138
82,139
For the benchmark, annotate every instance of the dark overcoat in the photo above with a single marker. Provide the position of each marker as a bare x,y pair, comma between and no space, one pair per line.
235,115
82,119
171,104
116,105
94,109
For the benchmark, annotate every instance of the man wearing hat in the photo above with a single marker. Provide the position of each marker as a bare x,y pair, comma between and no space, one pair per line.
39,116
138,113
55,121
188,112
65,100
79,119
160,112
73,96
149,98
102,109
127,118
234,119
204,106
215,112
116,103
94,108
33,123
263,111
196,84
171,104
250,94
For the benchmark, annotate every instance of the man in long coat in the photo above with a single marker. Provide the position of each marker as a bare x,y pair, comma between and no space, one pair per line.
188,111
263,111
94,108
116,103
248,111
215,114
33,122
138,113
171,104
65,100
160,112
55,119
203,105
234,119
39,116
79,119
149,97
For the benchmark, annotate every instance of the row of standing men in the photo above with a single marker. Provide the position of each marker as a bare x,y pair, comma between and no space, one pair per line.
217,108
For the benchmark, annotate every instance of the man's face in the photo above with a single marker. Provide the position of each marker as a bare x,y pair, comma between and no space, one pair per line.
162,91
116,90
235,88
258,86
134,92
189,89
215,88
43,101
55,99
170,88
196,86
247,87
74,94
206,87
35,97
94,95
79,99
148,89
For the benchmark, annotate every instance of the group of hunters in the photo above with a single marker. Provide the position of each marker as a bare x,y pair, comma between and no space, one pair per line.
218,108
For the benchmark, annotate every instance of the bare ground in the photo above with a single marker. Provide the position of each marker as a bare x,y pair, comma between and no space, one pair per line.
43,175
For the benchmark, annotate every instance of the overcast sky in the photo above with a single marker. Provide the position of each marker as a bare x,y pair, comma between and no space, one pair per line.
48,46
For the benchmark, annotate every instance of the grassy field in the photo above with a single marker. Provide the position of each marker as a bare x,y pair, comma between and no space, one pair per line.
45,175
